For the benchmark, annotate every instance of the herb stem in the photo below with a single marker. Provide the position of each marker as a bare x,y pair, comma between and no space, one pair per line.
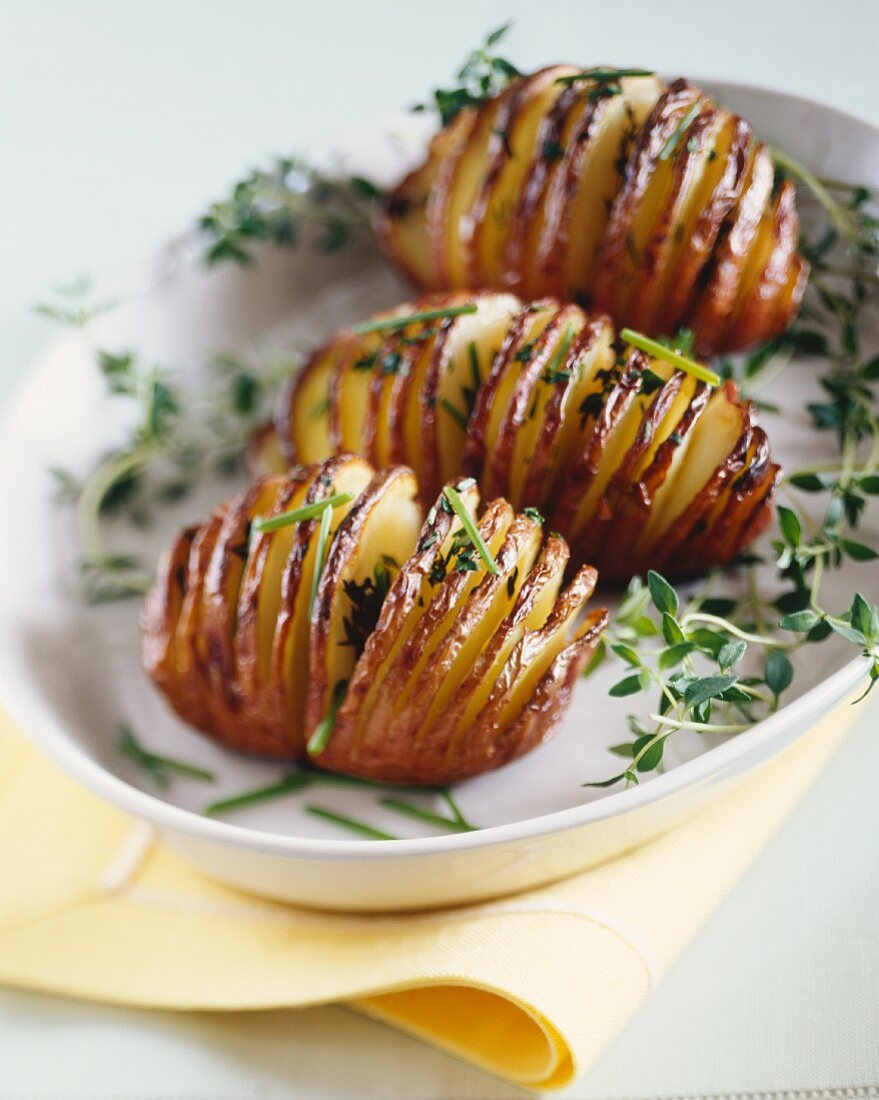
393,324
296,781
461,511
324,729
409,809
699,727
737,632
350,823
299,515
660,351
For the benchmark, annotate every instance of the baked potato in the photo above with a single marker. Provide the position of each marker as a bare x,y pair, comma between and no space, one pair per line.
376,641
645,200
638,464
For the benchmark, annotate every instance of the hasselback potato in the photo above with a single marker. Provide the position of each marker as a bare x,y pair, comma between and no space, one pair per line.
381,643
642,199
638,464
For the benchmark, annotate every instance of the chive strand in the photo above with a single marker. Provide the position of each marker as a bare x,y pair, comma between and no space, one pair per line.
290,783
460,510
324,729
299,515
391,324
349,823
323,536
409,809
660,351
454,413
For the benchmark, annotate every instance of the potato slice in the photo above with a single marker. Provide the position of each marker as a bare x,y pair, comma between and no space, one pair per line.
378,534
483,430
497,735
539,380
613,432
648,180
448,586
695,172
507,166
265,454
473,628
287,669
406,602
713,308
161,615
404,224
533,606
302,420
467,353
259,602
565,413
589,176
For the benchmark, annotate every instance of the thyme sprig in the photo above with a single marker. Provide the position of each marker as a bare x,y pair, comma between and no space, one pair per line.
482,76
177,436
280,203
694,656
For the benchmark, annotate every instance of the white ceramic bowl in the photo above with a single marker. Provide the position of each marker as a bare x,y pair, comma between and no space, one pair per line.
69,674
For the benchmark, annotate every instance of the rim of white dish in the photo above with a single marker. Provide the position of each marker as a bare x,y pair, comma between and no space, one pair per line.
45,731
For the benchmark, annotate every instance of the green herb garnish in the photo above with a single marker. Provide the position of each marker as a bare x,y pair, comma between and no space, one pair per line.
392,324
320,554
418,813
554,372
482,76
159,768
602,76
324,729
290,783
461,511
461,419
350,823
299,515
678,132
279,203
660,351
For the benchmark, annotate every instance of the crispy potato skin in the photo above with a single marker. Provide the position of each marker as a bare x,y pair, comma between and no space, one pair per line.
456,670
690,171
598,437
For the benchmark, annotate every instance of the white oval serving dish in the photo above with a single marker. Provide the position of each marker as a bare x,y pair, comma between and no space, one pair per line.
69,674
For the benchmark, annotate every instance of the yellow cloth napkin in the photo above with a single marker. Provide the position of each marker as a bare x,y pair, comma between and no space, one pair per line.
531,988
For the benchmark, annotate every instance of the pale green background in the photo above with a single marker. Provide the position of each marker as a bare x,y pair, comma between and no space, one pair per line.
118,121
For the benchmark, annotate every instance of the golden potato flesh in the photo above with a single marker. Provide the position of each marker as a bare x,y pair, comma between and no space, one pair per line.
642,199
461,652
364,635
632,460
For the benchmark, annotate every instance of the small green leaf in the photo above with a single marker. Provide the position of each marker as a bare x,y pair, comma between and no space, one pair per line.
810,483
629,685
671,630
857,551
731,654
778,671
652,758
864,618
664,597
627,748
627,654
705,688
675,654
799,621
790,525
